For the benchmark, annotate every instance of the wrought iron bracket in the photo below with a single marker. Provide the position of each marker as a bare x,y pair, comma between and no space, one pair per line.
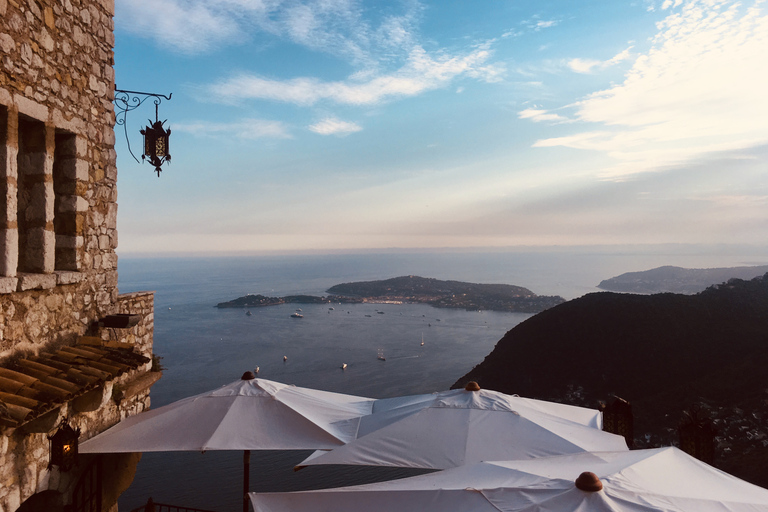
128,101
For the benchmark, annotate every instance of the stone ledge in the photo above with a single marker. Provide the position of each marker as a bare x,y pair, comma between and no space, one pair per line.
8,284
68,276
36,281
29,281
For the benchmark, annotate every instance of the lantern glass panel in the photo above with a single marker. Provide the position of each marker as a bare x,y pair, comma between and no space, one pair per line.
160,146
148,136
64,447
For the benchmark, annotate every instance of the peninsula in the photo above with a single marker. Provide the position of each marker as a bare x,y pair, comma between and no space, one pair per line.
417,290
670,279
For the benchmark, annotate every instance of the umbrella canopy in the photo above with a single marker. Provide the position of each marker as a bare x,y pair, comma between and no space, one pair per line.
458,427
663,479
250,414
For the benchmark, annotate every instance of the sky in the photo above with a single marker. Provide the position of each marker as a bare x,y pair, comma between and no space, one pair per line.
361,125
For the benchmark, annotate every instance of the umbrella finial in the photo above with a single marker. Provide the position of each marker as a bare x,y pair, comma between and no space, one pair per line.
248,376
589,482
472,386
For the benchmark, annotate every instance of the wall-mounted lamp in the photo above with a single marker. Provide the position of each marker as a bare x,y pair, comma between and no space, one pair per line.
64,447
156,137
156,144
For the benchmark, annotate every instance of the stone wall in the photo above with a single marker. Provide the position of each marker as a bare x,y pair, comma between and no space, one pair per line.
58,212
58,219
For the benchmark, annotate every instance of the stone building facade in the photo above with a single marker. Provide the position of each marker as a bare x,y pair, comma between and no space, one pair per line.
60,361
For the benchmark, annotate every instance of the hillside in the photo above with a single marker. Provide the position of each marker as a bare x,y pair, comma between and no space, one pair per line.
661,352
449,294
677,279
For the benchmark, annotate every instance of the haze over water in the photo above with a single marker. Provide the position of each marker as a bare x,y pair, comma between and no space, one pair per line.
204,347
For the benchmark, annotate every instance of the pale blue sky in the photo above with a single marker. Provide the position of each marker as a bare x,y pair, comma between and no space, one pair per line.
342,124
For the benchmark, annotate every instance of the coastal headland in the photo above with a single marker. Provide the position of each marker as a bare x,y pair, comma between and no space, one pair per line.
416,290
664,353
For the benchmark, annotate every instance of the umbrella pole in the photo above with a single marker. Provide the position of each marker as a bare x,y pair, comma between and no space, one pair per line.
246,477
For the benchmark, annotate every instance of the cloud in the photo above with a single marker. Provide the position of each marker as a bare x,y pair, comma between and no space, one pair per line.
583,65
699,89
588,65
381,46
188,27
334,126
538,115
246,129
546,24
533,24
420,73
337,27
671,3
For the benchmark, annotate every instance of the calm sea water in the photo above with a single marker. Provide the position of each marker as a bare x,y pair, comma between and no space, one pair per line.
204,347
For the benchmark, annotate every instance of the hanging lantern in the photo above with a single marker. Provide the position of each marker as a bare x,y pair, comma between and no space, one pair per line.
156,144
155,136
64,447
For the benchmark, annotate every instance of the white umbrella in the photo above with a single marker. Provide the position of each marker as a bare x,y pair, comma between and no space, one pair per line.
250,414
663,479
458,427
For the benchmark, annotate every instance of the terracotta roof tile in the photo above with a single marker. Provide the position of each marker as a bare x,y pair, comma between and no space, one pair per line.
41,383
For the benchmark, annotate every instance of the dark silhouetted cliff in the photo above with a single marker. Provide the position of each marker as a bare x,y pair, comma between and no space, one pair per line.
661,352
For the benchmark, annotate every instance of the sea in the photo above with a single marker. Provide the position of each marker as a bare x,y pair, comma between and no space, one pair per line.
203,347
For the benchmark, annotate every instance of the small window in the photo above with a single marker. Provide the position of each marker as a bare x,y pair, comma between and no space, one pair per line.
34,205
67,221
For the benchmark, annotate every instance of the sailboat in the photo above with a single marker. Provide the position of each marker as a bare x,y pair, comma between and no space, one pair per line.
381,357
422,339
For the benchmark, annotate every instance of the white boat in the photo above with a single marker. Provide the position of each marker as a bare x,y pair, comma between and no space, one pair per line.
247,313
381,357
344,366
297,315
422,339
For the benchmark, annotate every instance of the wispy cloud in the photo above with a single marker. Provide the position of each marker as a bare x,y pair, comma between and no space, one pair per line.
533,24
546,24
248,129
538,115
700,88
337,27
421,72
187,26
384,51
334,126
589,65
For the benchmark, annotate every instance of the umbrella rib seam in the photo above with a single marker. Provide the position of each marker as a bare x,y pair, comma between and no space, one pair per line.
488,500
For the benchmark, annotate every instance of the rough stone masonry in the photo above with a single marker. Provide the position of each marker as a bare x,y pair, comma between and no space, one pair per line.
58,229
